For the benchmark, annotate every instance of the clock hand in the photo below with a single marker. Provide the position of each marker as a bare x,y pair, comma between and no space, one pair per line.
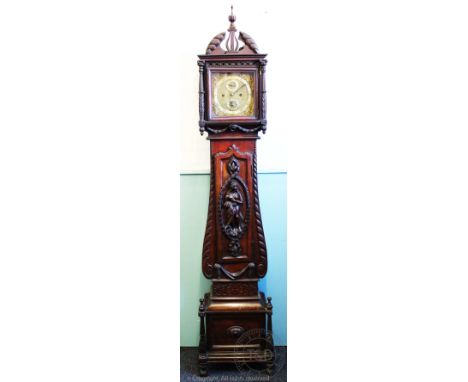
238,89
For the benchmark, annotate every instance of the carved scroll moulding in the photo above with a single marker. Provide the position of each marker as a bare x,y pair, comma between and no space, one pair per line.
236,42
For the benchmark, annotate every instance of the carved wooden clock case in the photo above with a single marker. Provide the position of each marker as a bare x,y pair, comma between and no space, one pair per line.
232,99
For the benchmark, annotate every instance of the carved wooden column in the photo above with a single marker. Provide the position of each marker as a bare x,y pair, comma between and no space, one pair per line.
232,100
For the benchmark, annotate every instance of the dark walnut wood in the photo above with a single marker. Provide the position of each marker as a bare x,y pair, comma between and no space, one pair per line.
234,252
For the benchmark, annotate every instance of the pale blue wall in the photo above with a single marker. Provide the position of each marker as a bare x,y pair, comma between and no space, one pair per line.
194,191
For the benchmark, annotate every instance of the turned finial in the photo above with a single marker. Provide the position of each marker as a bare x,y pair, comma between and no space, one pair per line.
201,308
269,306
232,43
232,18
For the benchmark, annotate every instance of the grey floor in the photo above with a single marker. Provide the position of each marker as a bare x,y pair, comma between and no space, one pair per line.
228,372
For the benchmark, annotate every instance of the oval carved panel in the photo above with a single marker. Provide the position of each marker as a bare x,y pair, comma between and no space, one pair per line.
234,207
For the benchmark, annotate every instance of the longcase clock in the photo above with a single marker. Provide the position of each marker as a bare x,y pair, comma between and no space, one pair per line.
232,106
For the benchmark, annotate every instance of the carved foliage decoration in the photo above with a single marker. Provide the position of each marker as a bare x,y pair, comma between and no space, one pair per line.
234,229
232,42
234,127
249,41
234,207
238,289
214,43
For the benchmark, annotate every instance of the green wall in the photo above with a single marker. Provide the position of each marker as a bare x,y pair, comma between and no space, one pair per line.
194,190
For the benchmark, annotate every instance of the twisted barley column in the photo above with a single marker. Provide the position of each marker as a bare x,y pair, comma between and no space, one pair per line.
262,265
207,267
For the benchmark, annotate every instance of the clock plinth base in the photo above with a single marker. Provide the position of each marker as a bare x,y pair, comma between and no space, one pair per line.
235,329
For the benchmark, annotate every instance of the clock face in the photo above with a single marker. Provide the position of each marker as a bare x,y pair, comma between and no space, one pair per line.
232,94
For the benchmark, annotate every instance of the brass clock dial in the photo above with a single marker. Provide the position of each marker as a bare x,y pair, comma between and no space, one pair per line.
232,94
